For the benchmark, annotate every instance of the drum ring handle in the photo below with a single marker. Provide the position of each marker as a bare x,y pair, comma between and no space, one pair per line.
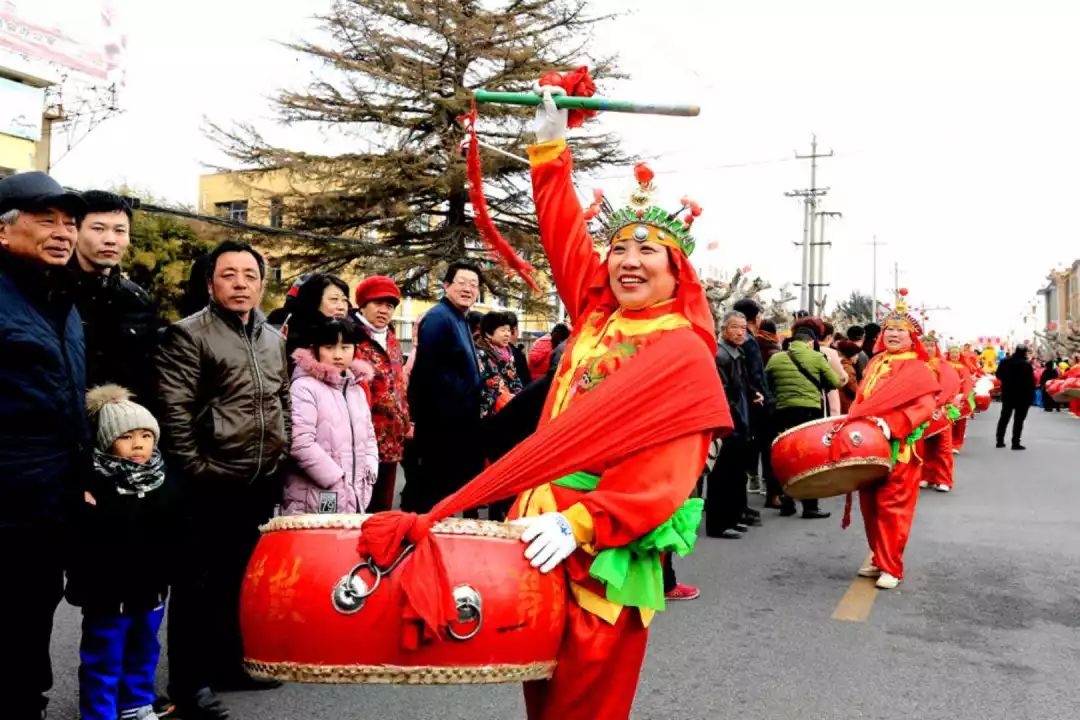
346,597
470,608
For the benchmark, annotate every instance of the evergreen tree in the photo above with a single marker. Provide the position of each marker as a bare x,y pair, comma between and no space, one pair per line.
397,74
857,309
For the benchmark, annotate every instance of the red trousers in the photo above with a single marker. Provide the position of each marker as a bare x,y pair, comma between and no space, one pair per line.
1074,407
959,431
888,510
938,461
597,671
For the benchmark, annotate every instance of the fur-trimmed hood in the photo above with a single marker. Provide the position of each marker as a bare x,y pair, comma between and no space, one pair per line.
360,371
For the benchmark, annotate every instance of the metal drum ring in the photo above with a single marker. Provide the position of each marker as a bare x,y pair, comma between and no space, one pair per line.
349,594
470,609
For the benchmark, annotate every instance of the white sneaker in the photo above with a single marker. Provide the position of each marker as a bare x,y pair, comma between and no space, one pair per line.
955,451
923,484
887,581
942,488
870,571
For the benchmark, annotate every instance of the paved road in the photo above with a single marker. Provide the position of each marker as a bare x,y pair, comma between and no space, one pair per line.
986,625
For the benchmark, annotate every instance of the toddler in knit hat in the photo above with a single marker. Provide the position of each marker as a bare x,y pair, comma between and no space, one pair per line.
120,568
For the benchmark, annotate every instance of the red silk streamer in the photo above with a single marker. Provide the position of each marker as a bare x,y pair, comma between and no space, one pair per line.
489,233
670,389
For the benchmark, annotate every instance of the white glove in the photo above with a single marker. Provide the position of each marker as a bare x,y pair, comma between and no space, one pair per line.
884,427
551,540
550,123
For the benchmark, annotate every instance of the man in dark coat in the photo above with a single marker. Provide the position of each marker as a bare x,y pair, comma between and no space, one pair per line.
760,434
1017,393
45,444
444,395
118,316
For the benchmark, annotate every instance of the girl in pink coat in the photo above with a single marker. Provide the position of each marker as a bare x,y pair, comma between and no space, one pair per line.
335,455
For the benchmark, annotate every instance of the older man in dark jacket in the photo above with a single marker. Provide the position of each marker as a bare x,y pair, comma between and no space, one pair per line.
45,443
1017,393
225,419
444,395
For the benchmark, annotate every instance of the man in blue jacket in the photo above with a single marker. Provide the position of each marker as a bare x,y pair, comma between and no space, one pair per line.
45,443
444,395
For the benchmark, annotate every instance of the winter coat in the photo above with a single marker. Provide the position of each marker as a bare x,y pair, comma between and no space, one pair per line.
851,387
540,356
1017,380
791,387
389,406
124,556
335,455
833,396
738,386
444,388
120,327
224,393
45,442
498,375
521,364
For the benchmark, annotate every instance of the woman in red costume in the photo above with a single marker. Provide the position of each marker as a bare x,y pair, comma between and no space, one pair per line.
967,397
644,294
900,391
938,459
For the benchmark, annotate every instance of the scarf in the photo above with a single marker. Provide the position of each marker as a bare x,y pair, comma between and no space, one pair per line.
129,477
378,336
769,337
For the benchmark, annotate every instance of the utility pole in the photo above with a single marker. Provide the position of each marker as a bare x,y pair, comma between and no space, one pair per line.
875,245
810,196
896,279
818,279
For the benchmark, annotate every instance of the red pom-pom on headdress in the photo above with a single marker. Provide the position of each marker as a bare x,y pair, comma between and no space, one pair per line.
643,174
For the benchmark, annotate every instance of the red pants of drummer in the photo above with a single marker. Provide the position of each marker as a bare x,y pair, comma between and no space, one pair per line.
1074,407
597,671
938,463
959,431
888,510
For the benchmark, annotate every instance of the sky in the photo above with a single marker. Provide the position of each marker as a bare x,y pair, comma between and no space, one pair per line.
953,126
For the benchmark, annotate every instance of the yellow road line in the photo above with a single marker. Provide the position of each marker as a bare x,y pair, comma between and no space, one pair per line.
858,601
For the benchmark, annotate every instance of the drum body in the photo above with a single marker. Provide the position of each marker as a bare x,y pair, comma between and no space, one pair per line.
982,403
312,610
1056,390
1070,388
830,456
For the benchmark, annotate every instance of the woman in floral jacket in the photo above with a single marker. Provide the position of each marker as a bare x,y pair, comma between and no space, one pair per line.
376,299
498,372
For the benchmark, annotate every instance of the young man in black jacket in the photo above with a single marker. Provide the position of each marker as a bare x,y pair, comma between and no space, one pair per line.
1017,393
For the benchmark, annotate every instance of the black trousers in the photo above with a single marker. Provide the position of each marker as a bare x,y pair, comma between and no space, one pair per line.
1007,411
786,418
219,531
446,457
725,495
34,584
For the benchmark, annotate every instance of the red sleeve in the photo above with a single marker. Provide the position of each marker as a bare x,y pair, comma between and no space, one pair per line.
903,421
639,493
566,240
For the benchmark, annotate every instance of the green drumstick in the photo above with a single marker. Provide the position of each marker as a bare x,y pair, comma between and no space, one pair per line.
587,103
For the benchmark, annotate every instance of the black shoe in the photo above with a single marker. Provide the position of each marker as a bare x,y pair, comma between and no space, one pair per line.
787,511
741,528
730,534
1000,445
242,681
751,513
163,706
1018,447
751,520
201,705
815,514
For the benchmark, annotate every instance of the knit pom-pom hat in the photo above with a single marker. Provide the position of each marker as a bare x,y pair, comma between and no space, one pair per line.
114,413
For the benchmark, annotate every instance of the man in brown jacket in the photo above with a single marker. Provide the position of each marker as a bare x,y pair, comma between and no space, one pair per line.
224,391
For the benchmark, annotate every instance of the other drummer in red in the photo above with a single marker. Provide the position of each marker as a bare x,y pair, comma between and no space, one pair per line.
899,390
938,461
644,293
966,398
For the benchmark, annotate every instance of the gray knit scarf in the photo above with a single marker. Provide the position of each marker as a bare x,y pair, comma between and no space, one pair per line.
131,478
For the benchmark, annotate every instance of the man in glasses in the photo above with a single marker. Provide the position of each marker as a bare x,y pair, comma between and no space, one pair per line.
444,394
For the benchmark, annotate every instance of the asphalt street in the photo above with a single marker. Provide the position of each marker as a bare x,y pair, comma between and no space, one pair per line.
986,625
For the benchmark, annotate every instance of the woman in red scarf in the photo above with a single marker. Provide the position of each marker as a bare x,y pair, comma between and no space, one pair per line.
900,391
644,294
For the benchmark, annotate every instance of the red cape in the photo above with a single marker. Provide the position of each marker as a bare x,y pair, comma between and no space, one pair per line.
948,378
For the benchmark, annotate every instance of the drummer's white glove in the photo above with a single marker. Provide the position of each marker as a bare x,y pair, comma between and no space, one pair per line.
550,123
551,540
884,427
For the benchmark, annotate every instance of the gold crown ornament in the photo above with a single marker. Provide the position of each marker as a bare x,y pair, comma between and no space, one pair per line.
641,219
899,318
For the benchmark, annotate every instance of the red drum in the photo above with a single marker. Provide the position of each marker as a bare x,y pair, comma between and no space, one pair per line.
939,423
312,610
1056,390
982,403
1071,389
829,457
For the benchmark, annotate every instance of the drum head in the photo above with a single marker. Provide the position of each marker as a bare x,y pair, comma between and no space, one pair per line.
837,479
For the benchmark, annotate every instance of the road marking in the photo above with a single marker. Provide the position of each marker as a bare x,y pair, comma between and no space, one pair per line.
858,601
